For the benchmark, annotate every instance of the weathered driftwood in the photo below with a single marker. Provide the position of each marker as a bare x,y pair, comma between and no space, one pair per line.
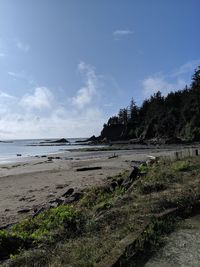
88,169
131,178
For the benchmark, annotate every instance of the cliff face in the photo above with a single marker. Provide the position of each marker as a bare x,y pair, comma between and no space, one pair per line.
112,132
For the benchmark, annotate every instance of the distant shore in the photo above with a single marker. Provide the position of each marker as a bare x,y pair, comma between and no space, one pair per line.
21,150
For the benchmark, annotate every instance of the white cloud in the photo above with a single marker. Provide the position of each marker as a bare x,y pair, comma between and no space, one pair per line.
41,114
23,46
108,105
16,121
118,34
5,95
41,98
22,75
7,102
174,81
187,67
157,83
86,94
16,74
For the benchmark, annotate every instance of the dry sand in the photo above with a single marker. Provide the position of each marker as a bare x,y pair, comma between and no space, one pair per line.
35,181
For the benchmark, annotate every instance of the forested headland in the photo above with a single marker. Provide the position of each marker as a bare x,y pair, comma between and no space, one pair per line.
172,118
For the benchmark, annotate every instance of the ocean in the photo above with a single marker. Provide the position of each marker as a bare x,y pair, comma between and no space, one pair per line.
32,147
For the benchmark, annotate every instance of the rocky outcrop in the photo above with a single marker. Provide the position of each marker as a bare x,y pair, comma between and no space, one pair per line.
59,141
112,132
62,140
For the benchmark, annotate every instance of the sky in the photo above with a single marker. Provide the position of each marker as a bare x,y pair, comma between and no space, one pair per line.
66,66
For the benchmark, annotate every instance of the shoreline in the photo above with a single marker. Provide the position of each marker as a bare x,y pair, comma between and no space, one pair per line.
31,184
115,146
20,157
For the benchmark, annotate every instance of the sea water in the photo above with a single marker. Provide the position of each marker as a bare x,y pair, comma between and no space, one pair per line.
10,150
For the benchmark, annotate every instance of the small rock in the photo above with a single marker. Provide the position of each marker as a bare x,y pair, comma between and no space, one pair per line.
60,186
113,185
31,200
53,205
22,199
50,195
59,201
68,193
7,210
23,210
75,197
69,200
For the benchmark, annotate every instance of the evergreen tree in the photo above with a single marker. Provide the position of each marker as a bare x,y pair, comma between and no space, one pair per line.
175,116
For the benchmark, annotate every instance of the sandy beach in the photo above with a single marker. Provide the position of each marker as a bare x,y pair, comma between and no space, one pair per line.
33,182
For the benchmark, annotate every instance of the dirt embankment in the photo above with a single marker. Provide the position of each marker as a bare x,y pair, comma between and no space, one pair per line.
112,224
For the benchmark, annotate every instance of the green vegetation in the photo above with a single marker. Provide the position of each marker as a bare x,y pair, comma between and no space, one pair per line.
182,166
85,234
50,224
48,227
173,118
100,198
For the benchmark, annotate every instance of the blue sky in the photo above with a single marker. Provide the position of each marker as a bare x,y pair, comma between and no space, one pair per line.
67,65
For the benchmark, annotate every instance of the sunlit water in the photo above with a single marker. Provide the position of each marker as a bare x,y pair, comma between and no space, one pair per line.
26,148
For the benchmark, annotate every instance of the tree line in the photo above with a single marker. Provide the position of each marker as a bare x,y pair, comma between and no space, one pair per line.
175,116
